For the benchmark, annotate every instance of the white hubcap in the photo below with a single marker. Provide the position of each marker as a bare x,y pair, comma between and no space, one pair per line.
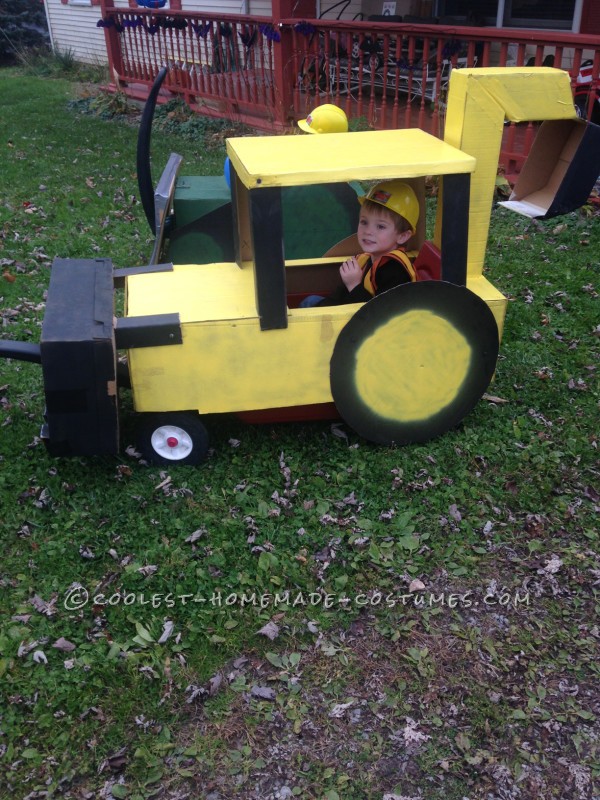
172,442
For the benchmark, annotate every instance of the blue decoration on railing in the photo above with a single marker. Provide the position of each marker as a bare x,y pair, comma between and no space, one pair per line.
248,37
270,33
177,24
138,22
152,3
225,30
305,28
110,23
155,24
201,30
169,23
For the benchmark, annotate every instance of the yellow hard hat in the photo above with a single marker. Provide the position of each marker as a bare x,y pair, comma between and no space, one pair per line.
398,196
325,119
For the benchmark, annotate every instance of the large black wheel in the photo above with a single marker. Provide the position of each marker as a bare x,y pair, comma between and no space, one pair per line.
413,362
173,438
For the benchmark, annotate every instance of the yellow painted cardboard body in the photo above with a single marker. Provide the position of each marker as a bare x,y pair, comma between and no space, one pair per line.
226,362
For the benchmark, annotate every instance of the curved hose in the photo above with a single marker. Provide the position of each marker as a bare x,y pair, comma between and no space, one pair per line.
145,185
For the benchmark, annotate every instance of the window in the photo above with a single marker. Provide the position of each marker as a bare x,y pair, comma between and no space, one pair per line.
539,13
483,13
557,14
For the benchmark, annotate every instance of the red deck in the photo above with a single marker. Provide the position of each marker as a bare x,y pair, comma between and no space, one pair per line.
269,73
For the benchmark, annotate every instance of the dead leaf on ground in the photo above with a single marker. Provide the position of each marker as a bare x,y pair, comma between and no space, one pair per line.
46,608
339,709
64,644
40,657
214,684
270,630
491,398
263,692
168,628
193,537
148,570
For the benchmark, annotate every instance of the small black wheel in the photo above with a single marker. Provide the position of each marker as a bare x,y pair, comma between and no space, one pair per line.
413,362
581,107
173,438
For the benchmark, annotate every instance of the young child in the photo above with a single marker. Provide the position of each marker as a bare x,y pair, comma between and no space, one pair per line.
388,218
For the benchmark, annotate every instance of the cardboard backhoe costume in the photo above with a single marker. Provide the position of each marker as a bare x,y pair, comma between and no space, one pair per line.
228,336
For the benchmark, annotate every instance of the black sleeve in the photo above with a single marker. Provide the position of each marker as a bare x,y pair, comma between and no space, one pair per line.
391,273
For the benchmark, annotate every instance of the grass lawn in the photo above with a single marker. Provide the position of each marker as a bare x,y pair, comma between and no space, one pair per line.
307,615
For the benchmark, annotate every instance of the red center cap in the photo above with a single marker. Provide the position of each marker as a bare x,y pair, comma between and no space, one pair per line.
172,441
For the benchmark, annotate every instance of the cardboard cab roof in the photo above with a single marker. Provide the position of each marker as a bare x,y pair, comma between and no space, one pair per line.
264,161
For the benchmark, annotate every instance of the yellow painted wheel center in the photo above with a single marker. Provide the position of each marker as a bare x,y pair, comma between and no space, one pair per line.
412,367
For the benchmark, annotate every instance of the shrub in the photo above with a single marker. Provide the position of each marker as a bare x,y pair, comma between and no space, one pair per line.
23,25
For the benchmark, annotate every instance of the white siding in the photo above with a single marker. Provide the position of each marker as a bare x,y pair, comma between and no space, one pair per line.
349,13
73,27
257,7
260,8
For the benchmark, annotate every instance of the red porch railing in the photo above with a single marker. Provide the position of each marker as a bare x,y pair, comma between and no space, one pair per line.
397,75
269,73
220,65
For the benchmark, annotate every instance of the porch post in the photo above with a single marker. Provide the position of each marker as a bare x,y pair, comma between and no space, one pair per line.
577,16
113,50
500,14
282,56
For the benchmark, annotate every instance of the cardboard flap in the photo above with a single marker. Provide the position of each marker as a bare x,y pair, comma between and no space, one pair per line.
560,171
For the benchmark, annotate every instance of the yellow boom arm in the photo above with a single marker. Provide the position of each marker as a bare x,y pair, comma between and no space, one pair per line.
479,100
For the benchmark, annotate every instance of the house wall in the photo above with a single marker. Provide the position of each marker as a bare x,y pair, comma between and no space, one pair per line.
260,8
73,28
72,24
402,7
330,9
590,17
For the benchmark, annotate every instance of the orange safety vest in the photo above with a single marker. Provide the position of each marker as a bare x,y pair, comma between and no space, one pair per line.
370,272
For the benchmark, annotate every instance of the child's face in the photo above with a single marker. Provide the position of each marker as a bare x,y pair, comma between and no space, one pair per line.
377,233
